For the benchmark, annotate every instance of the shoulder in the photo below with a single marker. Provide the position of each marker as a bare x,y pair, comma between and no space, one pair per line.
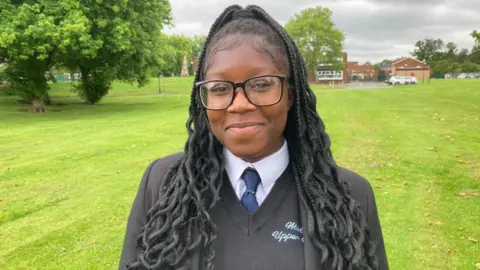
160,166
357,184
359,187
154,175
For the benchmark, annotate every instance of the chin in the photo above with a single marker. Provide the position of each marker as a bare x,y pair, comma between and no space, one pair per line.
248,152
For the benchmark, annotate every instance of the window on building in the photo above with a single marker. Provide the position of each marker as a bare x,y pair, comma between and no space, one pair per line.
329,75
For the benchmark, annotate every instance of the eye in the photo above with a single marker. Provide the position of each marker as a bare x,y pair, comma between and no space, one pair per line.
217,88
261,83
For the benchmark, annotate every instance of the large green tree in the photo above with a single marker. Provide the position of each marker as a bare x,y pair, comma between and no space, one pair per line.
103,39
109,39
29,35
429,50
463,55
451,51
476,36
317,37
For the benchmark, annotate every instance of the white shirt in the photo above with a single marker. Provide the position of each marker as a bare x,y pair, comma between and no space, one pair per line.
269,168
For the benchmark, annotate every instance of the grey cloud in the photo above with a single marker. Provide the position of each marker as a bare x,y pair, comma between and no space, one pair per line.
374,29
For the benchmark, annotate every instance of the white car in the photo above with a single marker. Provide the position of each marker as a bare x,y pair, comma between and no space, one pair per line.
411,80
396,80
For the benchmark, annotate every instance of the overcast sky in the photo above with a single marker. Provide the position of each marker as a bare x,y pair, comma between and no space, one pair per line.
374,29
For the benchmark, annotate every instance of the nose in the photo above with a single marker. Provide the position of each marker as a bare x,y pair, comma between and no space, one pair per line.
240,103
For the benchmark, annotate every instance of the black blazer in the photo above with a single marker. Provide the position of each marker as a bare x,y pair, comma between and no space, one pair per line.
151,182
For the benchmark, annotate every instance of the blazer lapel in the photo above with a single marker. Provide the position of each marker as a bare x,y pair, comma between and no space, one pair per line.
312,255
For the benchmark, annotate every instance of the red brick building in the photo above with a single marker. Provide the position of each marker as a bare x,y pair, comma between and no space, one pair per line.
361,72
408,66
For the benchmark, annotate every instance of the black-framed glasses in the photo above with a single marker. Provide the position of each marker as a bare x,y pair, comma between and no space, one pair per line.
264,90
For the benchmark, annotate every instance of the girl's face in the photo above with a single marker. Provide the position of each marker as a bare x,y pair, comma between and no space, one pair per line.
248,131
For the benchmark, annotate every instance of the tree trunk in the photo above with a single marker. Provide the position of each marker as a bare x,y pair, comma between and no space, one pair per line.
47,100
37,106
84,78
311,77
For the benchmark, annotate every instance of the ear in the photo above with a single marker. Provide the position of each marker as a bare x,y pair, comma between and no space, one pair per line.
290,98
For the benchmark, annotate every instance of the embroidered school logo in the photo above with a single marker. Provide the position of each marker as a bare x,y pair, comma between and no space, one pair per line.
291,232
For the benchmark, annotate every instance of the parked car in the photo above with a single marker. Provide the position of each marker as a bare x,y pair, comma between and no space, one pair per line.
411,80
396,80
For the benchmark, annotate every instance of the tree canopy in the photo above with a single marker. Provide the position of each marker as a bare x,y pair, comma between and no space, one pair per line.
428,50
446,57
317,37
476,36
174,48
29,35
113,40
104,41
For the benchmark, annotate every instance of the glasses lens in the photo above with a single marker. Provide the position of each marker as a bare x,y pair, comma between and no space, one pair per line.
264,91
216,94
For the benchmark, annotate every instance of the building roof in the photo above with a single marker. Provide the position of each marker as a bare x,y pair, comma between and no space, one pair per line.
406,58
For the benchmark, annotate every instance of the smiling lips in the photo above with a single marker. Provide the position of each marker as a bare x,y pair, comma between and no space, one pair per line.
245,129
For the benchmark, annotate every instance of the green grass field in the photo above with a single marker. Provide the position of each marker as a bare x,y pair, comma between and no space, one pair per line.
68,177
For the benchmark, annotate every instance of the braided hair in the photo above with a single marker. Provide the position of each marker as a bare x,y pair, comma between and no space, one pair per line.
179,222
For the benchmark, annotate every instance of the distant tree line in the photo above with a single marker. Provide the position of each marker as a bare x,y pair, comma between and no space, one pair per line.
174,48
446,58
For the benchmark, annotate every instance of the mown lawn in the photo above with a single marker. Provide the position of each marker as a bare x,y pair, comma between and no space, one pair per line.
68,177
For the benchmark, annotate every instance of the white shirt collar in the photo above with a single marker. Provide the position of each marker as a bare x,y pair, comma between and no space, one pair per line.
269,168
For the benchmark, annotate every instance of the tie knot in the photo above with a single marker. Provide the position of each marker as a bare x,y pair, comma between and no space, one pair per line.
252,179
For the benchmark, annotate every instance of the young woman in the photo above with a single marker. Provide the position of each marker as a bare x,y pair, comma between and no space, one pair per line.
257,186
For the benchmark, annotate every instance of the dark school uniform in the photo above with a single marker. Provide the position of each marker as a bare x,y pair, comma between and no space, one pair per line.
271,239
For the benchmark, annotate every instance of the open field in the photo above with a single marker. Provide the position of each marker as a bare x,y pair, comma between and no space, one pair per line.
68,177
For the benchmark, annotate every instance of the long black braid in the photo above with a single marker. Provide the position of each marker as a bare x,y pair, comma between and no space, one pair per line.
179,222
